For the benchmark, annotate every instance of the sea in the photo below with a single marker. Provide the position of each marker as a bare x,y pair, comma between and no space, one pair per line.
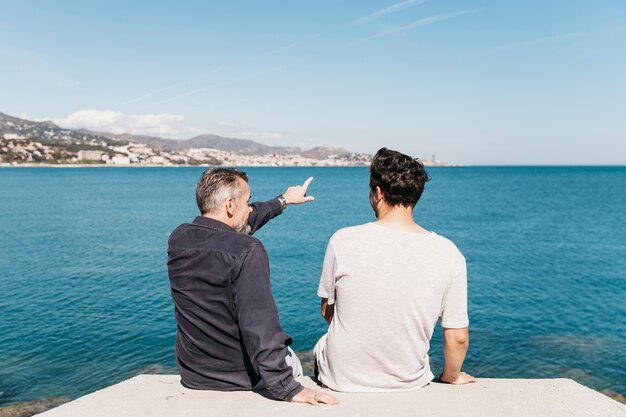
85,298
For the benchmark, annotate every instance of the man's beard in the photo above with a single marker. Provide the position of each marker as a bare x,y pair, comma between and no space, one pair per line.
244,227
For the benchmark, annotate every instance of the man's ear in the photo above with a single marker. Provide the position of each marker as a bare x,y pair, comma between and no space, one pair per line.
378,194
230,207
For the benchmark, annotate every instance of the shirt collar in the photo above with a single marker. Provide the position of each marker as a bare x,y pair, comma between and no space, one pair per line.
212,224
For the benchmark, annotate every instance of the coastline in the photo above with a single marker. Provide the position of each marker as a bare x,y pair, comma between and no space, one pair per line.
199,165
172,166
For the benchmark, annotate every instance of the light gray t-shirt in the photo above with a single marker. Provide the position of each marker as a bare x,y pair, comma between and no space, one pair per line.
389,288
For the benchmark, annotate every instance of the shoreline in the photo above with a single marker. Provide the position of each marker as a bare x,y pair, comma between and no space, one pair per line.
192,166
7,165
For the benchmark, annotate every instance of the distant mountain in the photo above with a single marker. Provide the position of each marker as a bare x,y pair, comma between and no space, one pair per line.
321,152
47,131
50,131
241,146
235,145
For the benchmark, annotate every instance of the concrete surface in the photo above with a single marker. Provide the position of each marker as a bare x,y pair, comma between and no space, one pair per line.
162,395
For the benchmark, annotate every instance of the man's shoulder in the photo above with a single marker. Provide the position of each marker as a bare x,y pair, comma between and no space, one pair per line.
447,245
350,233
194,236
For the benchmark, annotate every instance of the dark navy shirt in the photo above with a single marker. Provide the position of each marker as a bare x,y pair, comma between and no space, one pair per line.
229,337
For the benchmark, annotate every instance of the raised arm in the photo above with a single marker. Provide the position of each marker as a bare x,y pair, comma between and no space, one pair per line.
262,212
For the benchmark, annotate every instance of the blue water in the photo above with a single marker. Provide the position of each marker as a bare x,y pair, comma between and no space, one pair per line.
85,296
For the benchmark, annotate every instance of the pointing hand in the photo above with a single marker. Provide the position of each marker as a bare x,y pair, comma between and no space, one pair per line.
297,193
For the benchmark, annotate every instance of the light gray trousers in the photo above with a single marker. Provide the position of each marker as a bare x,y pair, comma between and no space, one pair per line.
293,361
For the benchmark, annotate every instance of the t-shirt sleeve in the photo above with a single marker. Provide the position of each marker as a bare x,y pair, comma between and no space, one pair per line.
454,306
326,289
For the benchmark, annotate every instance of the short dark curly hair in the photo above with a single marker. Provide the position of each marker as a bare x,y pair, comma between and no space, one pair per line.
400,177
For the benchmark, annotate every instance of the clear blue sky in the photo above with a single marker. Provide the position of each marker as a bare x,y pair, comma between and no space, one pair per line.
477,82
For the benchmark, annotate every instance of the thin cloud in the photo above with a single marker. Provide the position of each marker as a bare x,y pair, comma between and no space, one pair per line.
283,49
292,45
369,18
418,23
220,84
153,93
541,41
164,89
387,10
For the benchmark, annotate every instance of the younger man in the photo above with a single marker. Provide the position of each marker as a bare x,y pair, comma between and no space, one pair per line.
383,287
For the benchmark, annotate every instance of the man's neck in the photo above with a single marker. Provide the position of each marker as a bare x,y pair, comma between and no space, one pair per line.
399,217
220,218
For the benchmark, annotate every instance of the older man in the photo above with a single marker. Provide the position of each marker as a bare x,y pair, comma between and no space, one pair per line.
229,337
384,285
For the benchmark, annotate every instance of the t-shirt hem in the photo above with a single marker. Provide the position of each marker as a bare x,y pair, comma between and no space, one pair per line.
323,294
360,389
453,325
421,382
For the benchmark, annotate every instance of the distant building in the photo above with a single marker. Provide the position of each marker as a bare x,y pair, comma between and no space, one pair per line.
86,155
13,136
139,148
120,160
121,149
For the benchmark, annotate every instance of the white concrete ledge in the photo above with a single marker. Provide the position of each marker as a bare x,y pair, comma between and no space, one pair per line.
162,395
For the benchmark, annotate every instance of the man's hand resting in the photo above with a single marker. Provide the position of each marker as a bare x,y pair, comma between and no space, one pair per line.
314,397
297,193
462,378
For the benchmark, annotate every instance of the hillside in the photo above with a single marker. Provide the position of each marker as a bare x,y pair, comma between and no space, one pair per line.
31,142
47,131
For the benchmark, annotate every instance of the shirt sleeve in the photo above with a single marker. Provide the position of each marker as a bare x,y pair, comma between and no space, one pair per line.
262,212
326,288
263,337
454,306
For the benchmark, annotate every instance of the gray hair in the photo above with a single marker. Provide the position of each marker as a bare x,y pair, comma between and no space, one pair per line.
216,185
